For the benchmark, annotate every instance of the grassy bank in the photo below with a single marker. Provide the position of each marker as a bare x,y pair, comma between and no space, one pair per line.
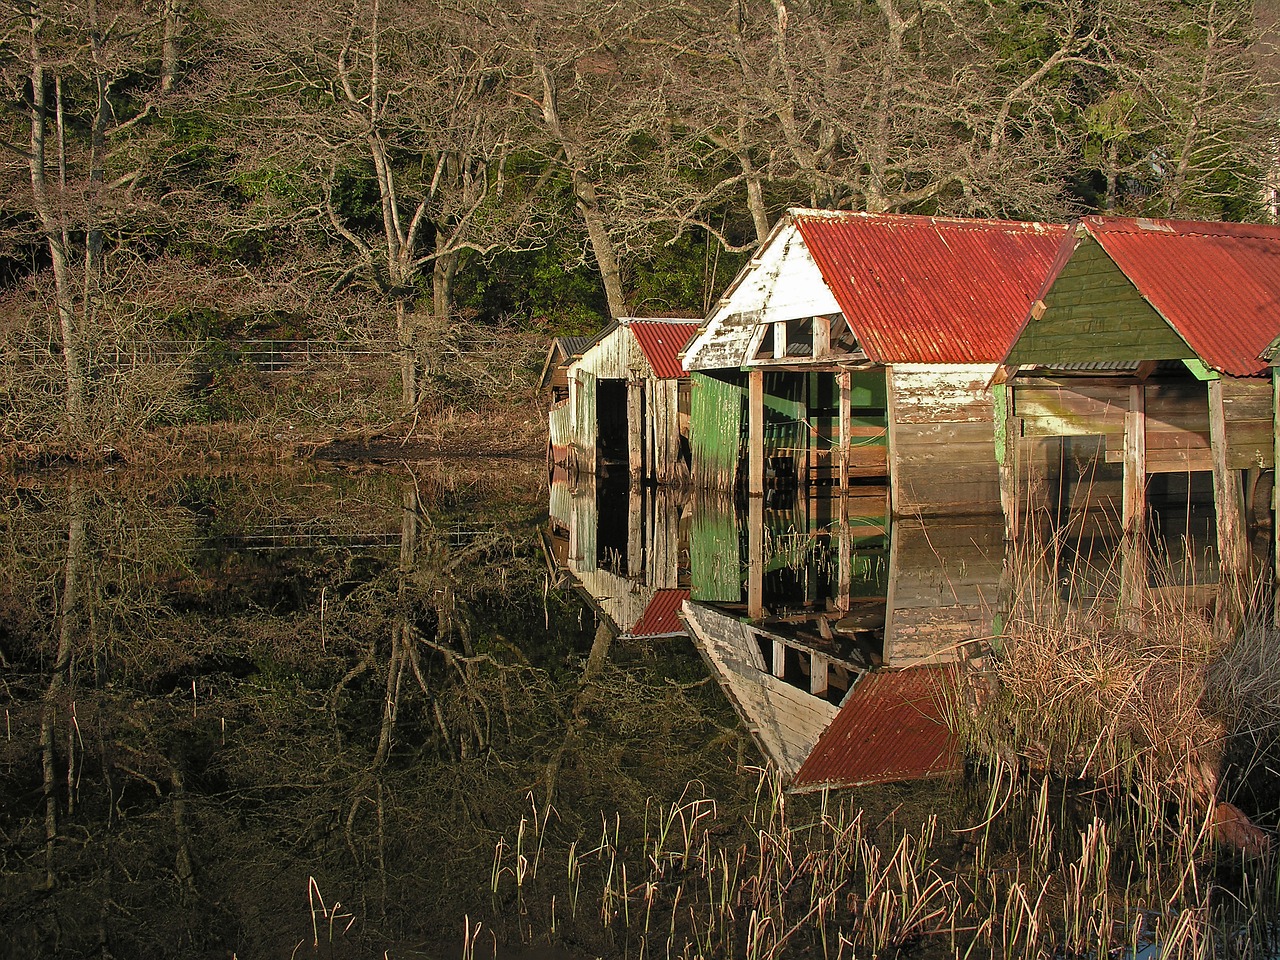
215,403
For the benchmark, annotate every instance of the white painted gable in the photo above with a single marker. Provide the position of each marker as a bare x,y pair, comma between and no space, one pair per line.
782,283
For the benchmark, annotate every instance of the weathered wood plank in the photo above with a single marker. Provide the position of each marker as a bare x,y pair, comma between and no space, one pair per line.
755,435
1228,498
1133,543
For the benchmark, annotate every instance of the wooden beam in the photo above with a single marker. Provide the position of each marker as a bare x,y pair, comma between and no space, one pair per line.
635,532
845,380
817,675
821,337
779,659
1228,501
755,558
636,428
755,433
891,412
1008,429
779,339
844,562
1133,548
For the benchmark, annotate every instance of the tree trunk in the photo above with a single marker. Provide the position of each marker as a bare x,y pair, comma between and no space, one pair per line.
407,342
72,360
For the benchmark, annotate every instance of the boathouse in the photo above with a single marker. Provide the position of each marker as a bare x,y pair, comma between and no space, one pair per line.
862,346
626,406
561,352
1139,368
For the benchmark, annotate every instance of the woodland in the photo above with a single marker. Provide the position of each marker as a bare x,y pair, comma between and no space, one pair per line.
446,183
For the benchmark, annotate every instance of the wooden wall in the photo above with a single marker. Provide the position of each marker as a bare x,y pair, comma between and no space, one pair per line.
784,720
942,440
1177,418
943,587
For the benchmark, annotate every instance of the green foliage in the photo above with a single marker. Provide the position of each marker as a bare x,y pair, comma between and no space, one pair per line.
548,287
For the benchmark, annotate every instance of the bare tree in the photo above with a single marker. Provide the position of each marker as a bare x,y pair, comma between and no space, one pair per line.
81,90
1185,123
408,98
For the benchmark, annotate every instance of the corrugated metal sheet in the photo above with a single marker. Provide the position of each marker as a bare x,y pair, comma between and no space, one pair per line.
1217,284
928,289
661,617
890,728
661,341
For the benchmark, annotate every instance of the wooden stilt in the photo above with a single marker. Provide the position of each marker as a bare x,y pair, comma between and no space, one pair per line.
755,433
1008,438
636,428
755,558
817,675
635,531
1228,501
845,380
844,563
1133,549
1275,503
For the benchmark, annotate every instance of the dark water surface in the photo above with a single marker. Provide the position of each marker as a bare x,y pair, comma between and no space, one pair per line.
233,703
339,713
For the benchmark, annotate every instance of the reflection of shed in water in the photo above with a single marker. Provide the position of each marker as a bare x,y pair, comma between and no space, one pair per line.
623,549
862,345
823,720
891,727
626,402
1141,360
785,717
799,638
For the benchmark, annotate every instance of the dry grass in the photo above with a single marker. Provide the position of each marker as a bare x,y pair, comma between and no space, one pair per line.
1035,874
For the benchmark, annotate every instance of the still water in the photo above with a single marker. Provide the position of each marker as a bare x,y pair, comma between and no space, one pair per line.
347,713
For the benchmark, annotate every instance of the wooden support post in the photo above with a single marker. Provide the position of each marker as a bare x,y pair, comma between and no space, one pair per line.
635,531
1228,501
755,433
821,337
844,563
636,428
817,675
811,402
1008,439
779,339
1133,547
779,659
755,558
1275,500
845,380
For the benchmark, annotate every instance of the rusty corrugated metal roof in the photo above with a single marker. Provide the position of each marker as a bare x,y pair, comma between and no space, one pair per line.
1216,284
661,616
930,289
890,728
661,341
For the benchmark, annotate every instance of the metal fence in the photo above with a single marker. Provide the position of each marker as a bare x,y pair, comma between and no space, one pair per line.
267,356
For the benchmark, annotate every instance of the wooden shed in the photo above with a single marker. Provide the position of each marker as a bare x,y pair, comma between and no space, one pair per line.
627,406
860,345
1142,356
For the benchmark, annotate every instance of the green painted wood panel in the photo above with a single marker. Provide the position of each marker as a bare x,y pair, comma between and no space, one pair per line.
1094,314
715,566
717,421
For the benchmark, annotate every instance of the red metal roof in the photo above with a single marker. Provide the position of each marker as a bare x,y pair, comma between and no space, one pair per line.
1217,284
890,728
660,616
929,289
661,341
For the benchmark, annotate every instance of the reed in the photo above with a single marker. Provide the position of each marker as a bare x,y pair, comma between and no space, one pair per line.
1042,875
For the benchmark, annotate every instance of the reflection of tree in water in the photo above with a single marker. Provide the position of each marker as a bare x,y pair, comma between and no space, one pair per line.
195,732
